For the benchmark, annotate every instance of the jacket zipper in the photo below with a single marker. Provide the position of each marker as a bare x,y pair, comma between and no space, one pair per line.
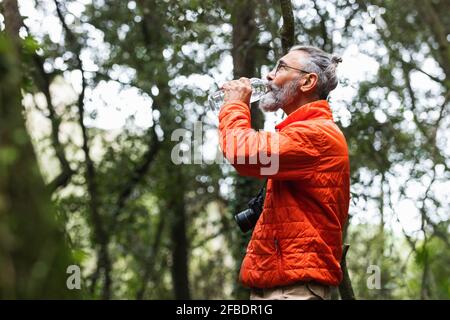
279,258
277,247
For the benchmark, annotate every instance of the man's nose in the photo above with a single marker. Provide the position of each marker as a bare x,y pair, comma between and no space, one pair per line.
271,75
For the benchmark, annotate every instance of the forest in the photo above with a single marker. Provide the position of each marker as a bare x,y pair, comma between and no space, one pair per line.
98,97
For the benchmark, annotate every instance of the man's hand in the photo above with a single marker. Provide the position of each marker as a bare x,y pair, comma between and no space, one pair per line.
237,90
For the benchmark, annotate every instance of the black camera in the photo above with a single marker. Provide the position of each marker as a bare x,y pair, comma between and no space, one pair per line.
246,219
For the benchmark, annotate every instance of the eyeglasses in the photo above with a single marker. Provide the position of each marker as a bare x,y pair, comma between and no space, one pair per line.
281,65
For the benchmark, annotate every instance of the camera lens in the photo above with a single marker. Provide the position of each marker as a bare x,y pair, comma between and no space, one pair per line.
245,219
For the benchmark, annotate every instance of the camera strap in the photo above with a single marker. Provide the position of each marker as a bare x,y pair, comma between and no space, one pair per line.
263,188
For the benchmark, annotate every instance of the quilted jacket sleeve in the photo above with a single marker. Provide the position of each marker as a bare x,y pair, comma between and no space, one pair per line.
291,153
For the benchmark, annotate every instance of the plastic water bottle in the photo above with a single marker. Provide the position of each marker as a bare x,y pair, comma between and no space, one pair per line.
259,88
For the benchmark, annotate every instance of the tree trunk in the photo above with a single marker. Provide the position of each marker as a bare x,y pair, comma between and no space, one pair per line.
173,198
244,64
288,29
33,254
180,251
345,287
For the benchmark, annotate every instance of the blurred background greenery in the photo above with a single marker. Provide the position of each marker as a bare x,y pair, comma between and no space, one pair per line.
91,92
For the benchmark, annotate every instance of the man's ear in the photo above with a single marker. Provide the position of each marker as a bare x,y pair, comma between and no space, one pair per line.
309,82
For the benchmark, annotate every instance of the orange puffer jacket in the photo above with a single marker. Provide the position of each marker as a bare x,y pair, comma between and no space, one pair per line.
298,236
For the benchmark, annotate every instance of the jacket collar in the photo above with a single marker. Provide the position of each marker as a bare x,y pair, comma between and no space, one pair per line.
312,110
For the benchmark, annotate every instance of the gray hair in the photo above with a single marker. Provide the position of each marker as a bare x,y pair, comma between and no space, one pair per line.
324,65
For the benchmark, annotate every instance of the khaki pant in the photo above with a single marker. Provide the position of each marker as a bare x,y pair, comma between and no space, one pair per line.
297,291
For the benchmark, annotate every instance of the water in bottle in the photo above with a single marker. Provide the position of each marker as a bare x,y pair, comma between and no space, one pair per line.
259,88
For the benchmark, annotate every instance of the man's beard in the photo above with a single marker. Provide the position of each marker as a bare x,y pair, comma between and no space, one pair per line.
277,97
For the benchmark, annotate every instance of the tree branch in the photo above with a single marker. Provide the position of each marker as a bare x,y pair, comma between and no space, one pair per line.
288,28
431,19
44,85
100,234
137,175
327,41
13,20
415,67
149,263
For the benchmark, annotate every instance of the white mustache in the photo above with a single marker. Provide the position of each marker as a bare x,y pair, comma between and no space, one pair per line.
272,87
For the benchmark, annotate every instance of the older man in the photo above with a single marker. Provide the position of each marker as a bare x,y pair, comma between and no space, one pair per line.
296,245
